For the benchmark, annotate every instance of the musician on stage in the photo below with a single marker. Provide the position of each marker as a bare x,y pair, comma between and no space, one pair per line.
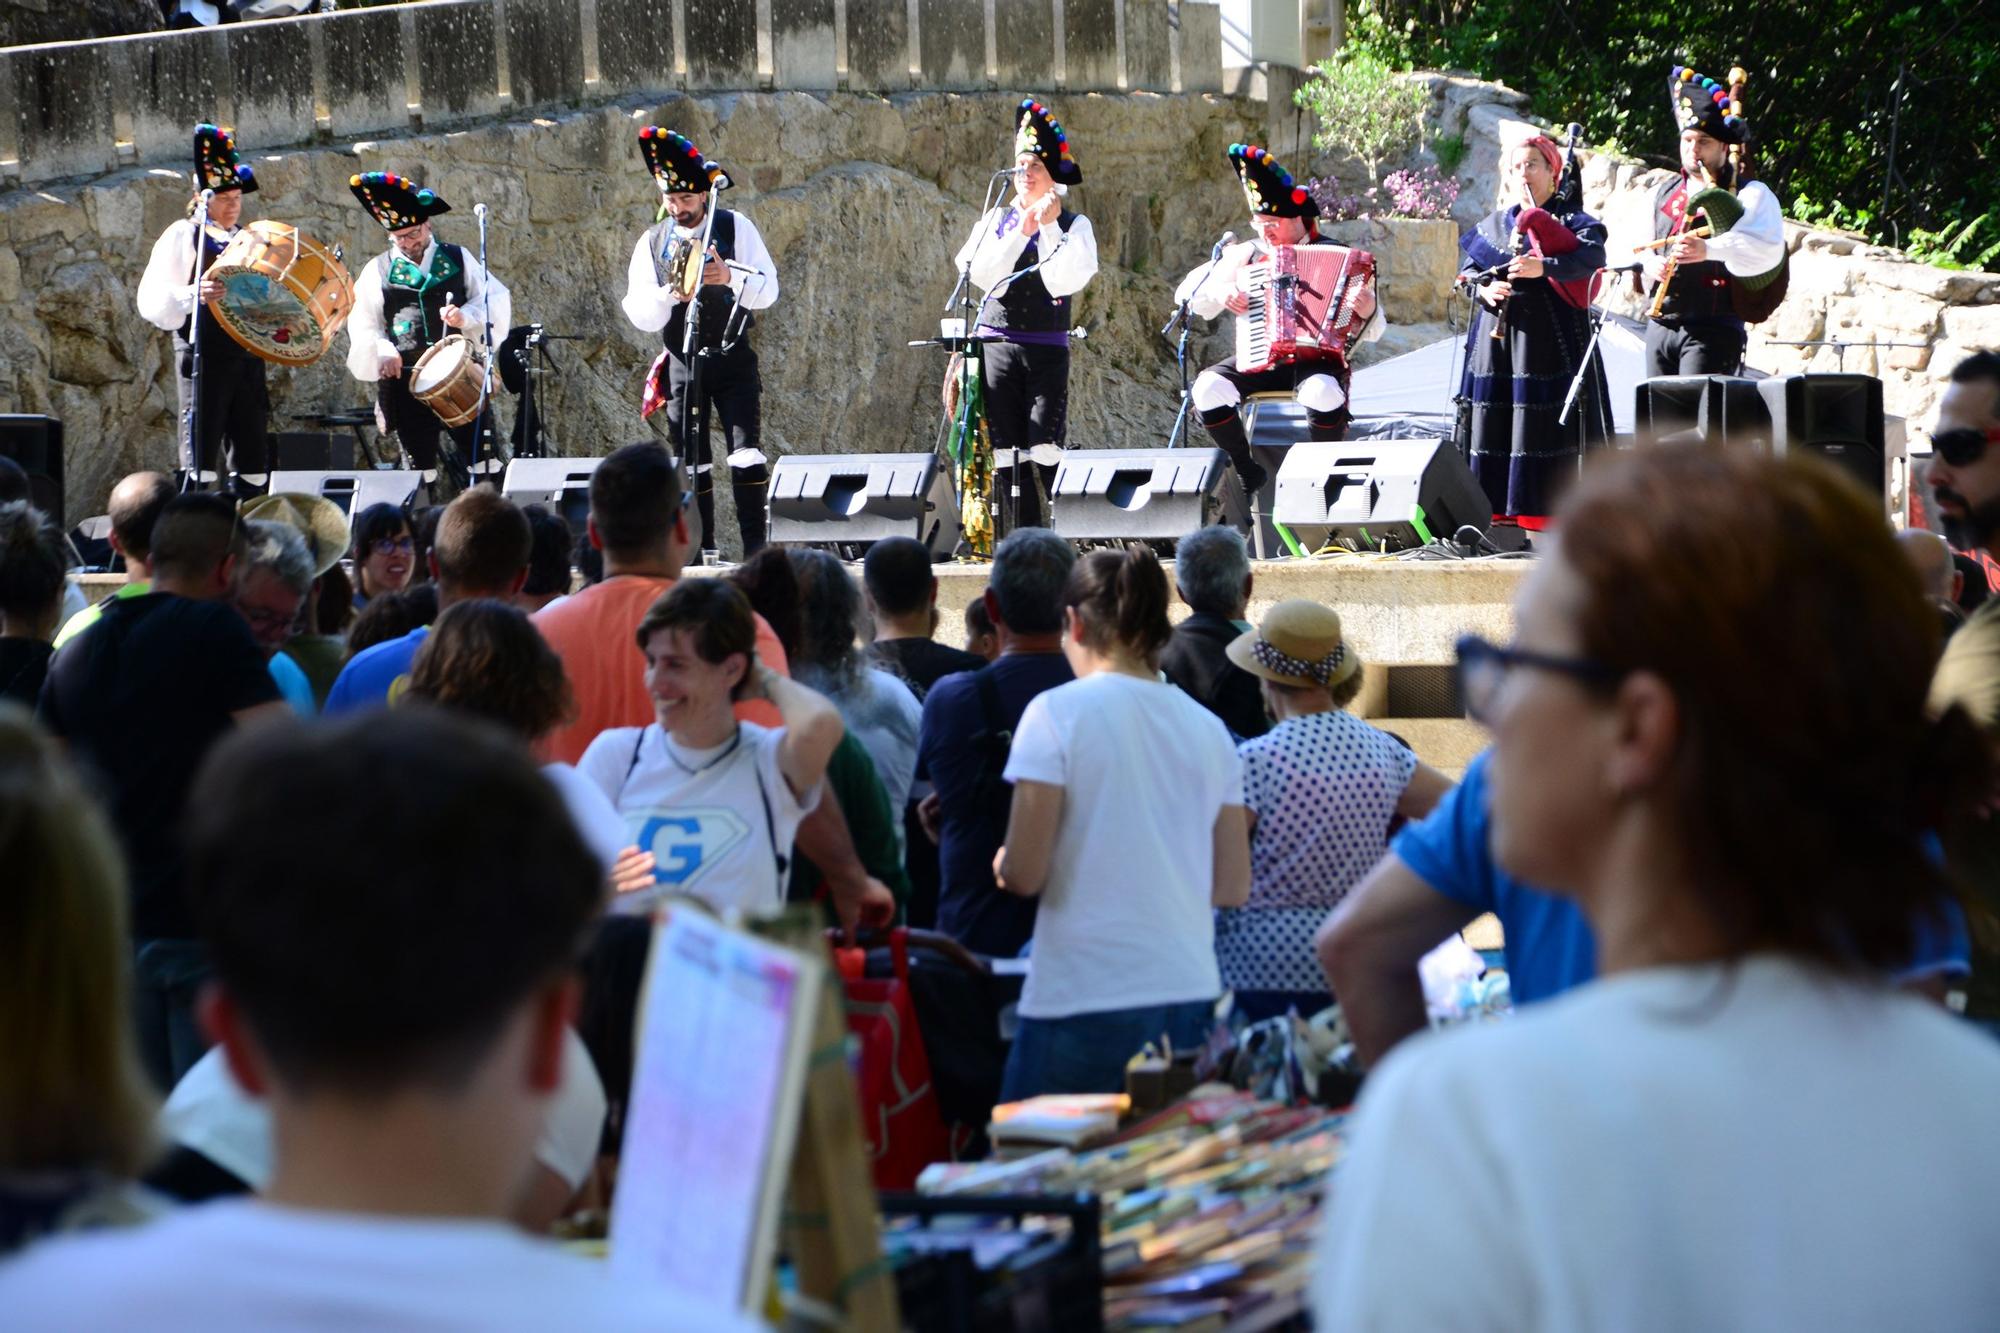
1283,213
408,299
234,400
1699,329
1529,334
737,265
1025,378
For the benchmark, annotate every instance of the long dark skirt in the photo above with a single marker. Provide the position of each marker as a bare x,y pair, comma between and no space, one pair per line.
1516,386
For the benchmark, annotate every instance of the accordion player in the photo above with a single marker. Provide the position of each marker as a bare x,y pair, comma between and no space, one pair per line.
1301,303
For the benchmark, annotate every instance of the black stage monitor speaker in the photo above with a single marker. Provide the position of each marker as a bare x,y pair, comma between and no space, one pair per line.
312,451
854,500
1702,409
36,444
353,491
1379,494
1150,495
563,484
1839,418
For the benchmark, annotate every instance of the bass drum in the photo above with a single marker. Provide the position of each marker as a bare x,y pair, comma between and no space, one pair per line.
284,295
450,379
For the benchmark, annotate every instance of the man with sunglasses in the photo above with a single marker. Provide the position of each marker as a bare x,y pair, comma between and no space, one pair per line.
1965,496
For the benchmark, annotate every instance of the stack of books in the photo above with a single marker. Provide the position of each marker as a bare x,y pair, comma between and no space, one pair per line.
1209,1207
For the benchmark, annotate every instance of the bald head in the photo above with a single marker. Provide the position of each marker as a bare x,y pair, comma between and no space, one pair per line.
1930,556
135,507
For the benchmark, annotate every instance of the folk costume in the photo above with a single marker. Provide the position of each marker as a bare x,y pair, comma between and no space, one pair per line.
398,312
1699,329
655,303
234,401
1025,376
1521,359
1319,382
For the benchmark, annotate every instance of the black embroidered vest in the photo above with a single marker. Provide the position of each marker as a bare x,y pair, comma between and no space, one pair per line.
216,344
715,301
1026,306
412,300
1698,291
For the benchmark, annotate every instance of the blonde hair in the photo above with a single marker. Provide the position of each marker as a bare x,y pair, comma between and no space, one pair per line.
74,1097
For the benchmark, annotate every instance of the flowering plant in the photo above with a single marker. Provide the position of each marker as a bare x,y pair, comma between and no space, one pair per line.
1421,193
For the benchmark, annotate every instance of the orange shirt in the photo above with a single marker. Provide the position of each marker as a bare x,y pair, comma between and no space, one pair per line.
592,631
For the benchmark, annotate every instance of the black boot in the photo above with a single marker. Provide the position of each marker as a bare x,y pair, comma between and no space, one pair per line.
1327,426
750,487
704,508
1225,426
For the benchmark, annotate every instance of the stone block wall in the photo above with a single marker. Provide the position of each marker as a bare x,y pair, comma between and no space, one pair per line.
83,108
863,201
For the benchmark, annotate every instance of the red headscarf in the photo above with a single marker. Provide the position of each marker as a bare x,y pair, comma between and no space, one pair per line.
1546,146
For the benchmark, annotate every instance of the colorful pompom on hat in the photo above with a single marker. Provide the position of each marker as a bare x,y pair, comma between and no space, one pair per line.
1700,103
395,201
1268,186
215,163
1037,131
677,164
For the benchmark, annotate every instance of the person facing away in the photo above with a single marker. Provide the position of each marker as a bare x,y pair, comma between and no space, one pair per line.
136,502
482,548
31,599
967,727
407,1037
139,699
902,602
1128,824
76,1114
1212,575
1672,1145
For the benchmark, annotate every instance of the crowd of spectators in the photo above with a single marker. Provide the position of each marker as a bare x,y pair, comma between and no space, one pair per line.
334,849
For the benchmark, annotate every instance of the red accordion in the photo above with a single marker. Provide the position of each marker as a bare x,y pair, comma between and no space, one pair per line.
1302,301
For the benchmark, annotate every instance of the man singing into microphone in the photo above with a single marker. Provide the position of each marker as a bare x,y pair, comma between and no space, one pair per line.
1026,376
1283,213
410,297
737,265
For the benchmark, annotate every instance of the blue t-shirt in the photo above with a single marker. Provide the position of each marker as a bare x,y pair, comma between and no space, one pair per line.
292,684
973,812
1549,944
368,680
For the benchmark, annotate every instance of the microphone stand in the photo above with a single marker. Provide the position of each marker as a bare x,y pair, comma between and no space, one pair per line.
966,346
479,425
192,482
1184,317
1583,370
694,404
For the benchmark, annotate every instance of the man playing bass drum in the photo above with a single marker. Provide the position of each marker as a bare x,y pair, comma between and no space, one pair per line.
1712,283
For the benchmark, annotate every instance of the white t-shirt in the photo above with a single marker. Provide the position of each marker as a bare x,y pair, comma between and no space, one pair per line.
210,1112
1125,918
595,817
708,829
1678,1148
247,1264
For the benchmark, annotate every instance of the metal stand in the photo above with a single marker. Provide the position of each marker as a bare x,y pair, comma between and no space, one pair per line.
1184,317
192,432
1583,369
480,424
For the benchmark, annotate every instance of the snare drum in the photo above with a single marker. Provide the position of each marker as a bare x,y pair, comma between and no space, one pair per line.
284,296
449,379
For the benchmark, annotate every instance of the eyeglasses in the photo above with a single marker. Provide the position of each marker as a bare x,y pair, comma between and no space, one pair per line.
1483,668
1963,446
261,618
391,545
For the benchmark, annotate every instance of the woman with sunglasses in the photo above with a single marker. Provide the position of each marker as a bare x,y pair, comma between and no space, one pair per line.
384,552
1741,1123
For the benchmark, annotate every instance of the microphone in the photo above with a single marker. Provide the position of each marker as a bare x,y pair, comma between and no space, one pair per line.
744,269
479,211
1228,238
1004,171
207,196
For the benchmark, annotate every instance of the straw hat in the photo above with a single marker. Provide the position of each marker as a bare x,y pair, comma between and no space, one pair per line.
318,518
1298,644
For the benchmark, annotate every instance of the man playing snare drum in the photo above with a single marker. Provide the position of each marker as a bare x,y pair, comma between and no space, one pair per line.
408,299
234,401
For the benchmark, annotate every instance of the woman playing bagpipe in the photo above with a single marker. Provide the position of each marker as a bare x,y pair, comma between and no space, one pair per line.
1530,266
